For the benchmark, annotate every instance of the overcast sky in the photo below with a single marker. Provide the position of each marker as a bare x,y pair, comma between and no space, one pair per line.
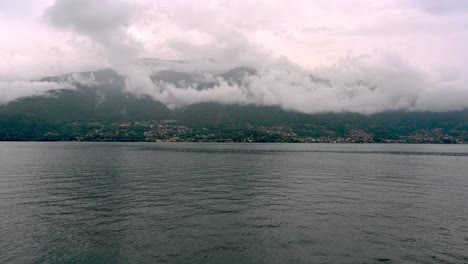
425,38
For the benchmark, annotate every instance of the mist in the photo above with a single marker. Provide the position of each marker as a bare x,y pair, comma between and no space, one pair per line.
365,85
10,91
337,62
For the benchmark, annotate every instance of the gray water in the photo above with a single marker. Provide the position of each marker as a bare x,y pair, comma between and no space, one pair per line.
233,203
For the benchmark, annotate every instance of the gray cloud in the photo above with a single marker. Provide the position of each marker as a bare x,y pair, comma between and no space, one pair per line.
230,48
104,22
444,6
322,38
89,17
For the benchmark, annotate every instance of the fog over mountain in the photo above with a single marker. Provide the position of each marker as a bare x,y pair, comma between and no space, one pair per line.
308,56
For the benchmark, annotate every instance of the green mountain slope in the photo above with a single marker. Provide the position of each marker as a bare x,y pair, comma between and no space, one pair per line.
105,112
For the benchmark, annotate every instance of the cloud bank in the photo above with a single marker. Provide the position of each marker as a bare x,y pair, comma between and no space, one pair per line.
10,91
365,85
310,56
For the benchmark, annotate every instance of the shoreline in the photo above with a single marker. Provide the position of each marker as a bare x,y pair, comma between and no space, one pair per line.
234,142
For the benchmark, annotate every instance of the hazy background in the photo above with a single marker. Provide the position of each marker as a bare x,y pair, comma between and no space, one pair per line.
364,56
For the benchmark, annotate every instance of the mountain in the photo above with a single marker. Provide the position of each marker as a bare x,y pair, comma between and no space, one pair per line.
102,110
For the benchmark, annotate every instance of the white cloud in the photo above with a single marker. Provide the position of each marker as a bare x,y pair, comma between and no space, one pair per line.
10,91
427,40
366,84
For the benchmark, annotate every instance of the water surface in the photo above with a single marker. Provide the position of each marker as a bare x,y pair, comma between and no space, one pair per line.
233,203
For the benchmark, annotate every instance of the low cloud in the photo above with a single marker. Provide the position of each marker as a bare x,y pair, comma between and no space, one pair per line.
13,90
10,91
412,49
366,84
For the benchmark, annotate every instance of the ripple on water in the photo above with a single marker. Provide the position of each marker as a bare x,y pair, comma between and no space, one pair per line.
233,203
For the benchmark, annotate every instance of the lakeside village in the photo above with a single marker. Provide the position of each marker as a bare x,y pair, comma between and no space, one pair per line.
174,131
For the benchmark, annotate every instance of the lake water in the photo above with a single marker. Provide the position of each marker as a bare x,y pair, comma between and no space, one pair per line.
233,203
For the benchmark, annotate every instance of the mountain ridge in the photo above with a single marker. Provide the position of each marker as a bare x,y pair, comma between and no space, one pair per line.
102,110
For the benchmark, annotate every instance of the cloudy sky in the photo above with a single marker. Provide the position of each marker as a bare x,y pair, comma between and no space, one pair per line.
414,51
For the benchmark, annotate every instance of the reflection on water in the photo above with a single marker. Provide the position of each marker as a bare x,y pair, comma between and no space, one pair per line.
233,203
